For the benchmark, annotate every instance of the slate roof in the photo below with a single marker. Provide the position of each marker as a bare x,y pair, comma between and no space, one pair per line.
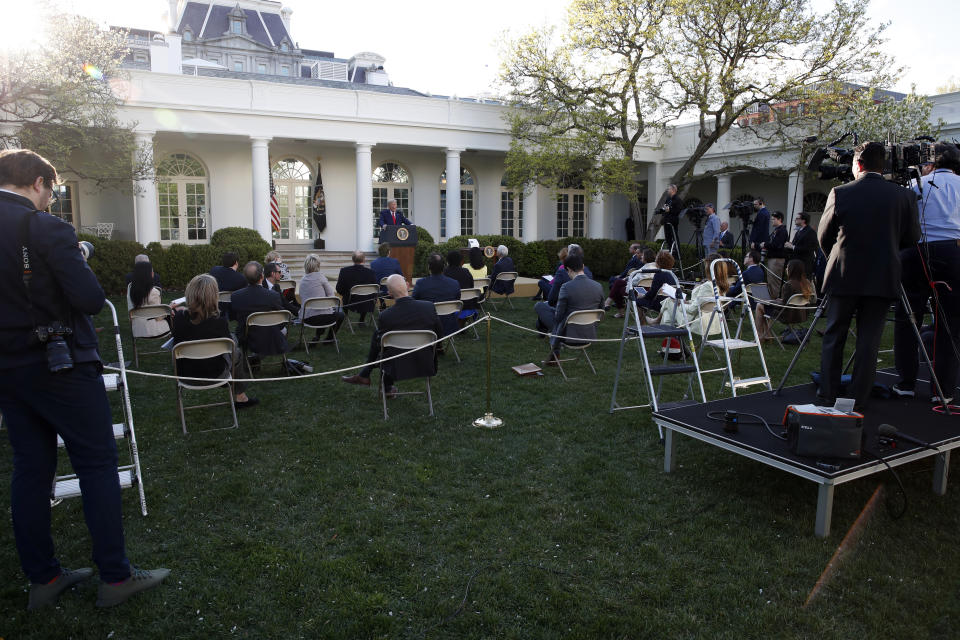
315,82
218,23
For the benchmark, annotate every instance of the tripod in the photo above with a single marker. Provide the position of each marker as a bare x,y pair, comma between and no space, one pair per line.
674,248
697,240
743,239
916,332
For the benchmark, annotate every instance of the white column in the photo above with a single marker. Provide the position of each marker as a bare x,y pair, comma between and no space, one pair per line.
595,217
531,211
260,166
794,196
148,213
364,227
723,196
453,193
656,183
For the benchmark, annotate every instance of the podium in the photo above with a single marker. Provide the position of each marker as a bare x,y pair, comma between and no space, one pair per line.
403,246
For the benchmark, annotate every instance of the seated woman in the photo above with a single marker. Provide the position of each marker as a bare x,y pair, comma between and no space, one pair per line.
690,310
277,259
650,300
201,320
315,285
649,259
141,293
543,285
640,258
797,282
477,267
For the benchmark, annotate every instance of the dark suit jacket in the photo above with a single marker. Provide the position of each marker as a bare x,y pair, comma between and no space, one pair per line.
635,262
576,295
778,237
805,247
751,275
503,264
289,304
760,231
439,288
864,225
385,266
387,218
227,278
62,287
560,278
353,275
727,240
673,215
262,340
408,314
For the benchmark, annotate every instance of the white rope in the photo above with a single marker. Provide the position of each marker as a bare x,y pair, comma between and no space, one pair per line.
299,377
555,335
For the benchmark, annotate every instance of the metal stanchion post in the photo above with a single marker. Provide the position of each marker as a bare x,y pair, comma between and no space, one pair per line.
488,421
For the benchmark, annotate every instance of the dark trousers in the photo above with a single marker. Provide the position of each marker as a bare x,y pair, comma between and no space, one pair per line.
37,405
372,356
871,312
943,265
324,318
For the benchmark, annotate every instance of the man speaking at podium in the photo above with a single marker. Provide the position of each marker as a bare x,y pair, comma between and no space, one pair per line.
392,216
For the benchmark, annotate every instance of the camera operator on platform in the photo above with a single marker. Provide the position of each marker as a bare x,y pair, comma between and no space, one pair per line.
671,208
864,226
760,231
936,259
50,385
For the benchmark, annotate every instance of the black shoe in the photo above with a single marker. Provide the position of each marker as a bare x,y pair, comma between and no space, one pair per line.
246,404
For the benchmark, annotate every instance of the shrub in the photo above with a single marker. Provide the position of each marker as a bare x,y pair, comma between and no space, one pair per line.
535,260
111,261
246,243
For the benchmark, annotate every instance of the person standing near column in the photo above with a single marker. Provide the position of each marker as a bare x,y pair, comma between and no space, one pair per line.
864,226
775,248
50,385
760,231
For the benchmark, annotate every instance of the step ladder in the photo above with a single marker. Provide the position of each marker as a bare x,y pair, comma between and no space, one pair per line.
634,329
68,486
735,342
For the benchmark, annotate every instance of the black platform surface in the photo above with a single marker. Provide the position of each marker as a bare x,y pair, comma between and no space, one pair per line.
914,417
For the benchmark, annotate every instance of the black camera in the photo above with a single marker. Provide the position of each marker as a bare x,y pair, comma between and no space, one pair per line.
59,357
696,215
742,210
900,163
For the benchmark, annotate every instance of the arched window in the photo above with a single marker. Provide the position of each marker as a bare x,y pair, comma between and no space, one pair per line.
390,182
814,202
291,179
182,199
692,202
468,203
511,211
743,197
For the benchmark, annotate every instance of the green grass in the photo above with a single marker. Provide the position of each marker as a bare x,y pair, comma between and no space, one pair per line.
317,518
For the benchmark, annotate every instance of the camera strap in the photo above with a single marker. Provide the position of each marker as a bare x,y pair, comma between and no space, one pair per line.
27,271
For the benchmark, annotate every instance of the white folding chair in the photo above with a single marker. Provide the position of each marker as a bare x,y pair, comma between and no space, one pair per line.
449,308
201,350
406,341
328,307
505,276
264,319
145,313
360,293
467,295
287,284
584,317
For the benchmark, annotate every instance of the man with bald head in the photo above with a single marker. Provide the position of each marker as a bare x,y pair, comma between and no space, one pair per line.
406,314
357,273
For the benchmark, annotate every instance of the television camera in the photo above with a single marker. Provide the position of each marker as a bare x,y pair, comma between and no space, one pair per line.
900,164
696,215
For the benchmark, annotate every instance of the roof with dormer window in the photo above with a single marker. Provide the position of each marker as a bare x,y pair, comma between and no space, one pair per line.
218,23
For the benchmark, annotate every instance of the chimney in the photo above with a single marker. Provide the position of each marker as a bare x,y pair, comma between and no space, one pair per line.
173,15
285,17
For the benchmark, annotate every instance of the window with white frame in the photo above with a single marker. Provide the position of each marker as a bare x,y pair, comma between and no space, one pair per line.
571,213
261,67
511,211
284,70
291,179
390,182
64,205
238,65
182,199
468,203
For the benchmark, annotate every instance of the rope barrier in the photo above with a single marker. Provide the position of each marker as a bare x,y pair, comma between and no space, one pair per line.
555,335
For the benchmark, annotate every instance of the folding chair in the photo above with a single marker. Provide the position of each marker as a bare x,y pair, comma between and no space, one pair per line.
584,317
201,350
264,319
148,312
505,276
363,292
406,341
798,301
450,308
466,295
484,285
320,321
286,284
223,303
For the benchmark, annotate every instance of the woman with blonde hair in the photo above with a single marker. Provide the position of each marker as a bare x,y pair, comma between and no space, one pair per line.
277,259
315,285
200,319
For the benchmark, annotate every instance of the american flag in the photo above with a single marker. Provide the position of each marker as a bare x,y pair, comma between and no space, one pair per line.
274,207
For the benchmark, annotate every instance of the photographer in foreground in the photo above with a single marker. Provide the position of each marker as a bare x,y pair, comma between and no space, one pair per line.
936,259
50,385
864,226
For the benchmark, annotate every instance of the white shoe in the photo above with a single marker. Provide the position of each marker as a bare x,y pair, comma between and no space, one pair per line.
936,400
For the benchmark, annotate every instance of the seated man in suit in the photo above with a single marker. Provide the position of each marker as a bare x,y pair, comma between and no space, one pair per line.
504,265
752,274
406,314
271,279
252,298
392,216
357,273
578,294
385,265
228,279
437,287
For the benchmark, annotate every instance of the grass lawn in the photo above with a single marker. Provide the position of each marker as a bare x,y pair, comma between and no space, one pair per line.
318,519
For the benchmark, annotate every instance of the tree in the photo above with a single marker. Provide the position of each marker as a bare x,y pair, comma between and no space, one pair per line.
714,60
60,99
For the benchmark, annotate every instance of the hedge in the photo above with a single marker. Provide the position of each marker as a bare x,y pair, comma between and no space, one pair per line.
176,263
